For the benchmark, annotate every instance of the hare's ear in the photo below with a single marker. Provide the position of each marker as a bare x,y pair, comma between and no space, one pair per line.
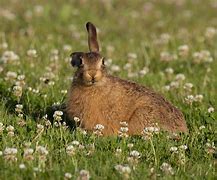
76,58
92,37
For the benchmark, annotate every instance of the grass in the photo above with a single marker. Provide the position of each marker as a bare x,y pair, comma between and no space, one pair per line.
147,29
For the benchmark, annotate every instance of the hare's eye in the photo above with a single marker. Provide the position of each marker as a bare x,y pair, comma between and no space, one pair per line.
80,63
103,61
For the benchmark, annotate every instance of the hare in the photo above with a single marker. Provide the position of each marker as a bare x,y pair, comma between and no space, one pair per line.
99,98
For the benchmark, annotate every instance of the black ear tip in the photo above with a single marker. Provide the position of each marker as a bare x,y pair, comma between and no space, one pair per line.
88,25
76,58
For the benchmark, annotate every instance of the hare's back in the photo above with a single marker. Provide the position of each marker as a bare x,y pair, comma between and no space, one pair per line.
151,106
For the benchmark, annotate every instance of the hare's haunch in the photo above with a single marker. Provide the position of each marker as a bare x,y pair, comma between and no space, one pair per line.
99,98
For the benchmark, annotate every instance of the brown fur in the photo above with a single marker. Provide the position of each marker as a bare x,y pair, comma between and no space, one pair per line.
98,98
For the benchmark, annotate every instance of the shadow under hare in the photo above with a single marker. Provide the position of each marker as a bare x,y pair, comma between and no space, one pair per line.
96,97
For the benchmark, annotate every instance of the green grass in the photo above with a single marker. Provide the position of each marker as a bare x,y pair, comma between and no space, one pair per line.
137,27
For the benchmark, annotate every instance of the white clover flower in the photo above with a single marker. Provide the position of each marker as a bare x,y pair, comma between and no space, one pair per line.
75,143
118,167
188,86
4,45
57,115
42,150
32,53
11,75
115,68
202,127
20,115
118,150
70,150
166,88
22,166
148,132
126,170
135,154
84,175
124,129
10,151
67,47
167,168
10,128
1,69
27,144
180,77
174,149
132,55
167,57
51,83
17,91
130,145
183,50
99,127
210,32
152,129
2,127
56,124
210,147
189,99
63,91
9,56
197,58
38,9
54,52
169,70
183,147
10,154
174,84
68,175
76,119
19,108
211,110
28,151
198,98
144,71
10,133
108,62
123,169
127,66
21,77
132,74
203,56
36,91
40,127
36,169
29,89
81,147
110,49
165,38
123,123
1,153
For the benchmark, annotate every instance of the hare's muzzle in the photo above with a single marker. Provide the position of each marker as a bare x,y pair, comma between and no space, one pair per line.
92,76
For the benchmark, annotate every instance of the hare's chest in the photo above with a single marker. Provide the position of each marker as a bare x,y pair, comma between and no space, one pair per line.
99,106
87,105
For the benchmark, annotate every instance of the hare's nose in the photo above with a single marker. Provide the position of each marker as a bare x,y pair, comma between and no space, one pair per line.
92,74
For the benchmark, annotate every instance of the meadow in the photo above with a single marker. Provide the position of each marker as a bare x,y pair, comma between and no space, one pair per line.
168,45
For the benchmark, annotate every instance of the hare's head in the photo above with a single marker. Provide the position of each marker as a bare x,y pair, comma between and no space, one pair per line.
91,68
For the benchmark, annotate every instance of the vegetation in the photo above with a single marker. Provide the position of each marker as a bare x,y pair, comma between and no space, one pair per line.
169,45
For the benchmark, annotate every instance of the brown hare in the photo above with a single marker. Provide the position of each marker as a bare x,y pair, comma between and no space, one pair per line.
99,98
